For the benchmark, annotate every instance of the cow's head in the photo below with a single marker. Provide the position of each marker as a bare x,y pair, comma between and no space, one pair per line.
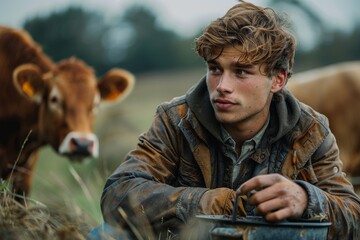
68,97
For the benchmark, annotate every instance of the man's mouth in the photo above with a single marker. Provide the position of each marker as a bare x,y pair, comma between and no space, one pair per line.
223,103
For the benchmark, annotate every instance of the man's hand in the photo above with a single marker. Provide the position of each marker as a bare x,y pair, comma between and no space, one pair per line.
275,197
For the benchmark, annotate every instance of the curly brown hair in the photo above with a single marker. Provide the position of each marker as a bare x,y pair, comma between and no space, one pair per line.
261,35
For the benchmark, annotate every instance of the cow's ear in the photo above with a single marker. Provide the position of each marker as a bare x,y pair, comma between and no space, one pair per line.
116,84
27,80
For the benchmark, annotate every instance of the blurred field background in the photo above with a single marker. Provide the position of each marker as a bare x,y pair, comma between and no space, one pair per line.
165,66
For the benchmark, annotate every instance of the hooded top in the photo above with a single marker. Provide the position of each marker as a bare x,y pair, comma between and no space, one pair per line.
182,167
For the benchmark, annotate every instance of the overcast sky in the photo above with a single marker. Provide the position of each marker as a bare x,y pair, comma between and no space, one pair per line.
184,16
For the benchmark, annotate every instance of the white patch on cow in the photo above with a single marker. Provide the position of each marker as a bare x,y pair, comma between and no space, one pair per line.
55,100
96,103
66,149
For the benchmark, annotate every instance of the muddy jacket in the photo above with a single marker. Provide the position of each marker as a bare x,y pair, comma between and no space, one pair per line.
181,166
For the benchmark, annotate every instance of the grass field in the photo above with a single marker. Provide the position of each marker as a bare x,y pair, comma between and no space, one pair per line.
77,187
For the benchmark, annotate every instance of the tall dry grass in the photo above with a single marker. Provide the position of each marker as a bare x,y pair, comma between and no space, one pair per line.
35,220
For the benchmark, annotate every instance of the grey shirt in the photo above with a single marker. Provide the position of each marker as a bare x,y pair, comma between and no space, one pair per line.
248,147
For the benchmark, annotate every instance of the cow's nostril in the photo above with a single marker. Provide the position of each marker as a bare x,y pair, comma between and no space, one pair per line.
82,147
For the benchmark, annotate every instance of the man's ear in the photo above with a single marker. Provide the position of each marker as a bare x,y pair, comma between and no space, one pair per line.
279,81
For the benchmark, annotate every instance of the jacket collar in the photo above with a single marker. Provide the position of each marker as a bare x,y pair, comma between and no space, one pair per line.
285,113
199,102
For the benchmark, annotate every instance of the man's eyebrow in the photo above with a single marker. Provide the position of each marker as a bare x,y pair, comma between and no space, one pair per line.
234,64
212,62
240,65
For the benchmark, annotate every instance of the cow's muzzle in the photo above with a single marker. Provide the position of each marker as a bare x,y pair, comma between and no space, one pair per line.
79,145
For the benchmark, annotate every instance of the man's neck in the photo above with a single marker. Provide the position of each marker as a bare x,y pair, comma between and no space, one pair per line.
246,130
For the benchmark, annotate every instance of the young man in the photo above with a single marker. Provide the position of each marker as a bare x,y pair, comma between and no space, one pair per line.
238,131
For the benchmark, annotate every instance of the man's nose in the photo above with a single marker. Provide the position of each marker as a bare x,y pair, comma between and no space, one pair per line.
225,83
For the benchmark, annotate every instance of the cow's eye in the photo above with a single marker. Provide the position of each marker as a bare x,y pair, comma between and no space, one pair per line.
54,99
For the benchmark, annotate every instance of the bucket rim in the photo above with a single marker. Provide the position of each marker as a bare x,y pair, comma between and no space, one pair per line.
259,220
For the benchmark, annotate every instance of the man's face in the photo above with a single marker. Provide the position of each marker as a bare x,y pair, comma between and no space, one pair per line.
239,93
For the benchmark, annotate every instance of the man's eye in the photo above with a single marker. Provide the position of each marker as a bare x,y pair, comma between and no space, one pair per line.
213,69
241,72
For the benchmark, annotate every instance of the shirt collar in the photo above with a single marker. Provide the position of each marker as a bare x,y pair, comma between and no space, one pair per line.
256,139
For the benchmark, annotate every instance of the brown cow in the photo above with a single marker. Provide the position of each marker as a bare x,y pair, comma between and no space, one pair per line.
46,103
335,91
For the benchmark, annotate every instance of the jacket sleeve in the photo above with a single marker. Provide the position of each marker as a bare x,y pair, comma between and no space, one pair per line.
146,182
331,195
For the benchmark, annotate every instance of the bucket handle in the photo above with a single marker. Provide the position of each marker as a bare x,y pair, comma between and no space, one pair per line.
234,211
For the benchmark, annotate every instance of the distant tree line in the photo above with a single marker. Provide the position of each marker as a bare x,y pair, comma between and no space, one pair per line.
137,42
333,46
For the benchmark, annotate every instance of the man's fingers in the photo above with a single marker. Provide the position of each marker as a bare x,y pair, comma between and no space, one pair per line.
278,215
258,182
262,195
270,206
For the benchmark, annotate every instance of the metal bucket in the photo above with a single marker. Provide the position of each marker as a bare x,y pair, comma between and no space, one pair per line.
257,228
